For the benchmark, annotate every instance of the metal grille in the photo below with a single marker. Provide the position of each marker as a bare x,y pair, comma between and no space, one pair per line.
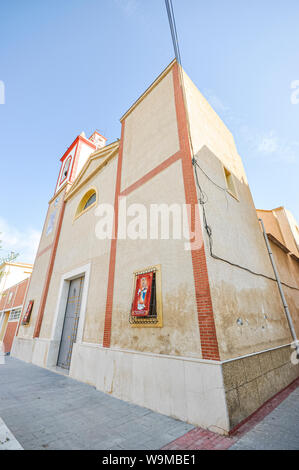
15,315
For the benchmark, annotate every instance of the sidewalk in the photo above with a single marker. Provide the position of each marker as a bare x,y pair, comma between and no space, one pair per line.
275,426
45,410
7,439
279,430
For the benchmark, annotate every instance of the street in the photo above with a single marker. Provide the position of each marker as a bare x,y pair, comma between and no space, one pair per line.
45,410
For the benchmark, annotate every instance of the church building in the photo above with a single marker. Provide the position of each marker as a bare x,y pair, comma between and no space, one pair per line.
190,326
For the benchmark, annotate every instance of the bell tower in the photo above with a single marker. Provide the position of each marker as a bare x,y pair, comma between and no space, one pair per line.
76,155
71,164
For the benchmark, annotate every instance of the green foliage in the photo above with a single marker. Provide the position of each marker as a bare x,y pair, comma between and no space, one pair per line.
9,258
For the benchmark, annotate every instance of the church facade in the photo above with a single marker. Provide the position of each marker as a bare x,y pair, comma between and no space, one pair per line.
190,326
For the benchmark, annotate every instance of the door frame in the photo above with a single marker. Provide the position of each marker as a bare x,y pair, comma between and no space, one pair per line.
1,319
59,315
4,323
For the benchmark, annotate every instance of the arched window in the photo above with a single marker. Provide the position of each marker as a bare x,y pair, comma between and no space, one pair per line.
88,200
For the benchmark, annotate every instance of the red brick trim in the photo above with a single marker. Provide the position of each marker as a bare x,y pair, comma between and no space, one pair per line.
9,335
209,344
111,275
40,253
49,275
207,330
23,306
162,166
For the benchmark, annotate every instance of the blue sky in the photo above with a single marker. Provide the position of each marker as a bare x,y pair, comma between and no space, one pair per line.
73,65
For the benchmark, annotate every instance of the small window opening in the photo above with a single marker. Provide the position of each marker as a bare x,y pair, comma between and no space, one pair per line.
90,201
230,182
65,169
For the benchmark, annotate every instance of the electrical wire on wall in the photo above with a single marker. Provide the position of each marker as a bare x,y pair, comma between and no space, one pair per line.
202,199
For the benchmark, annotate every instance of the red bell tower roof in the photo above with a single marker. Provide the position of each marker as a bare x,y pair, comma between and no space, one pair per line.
98,139
76,155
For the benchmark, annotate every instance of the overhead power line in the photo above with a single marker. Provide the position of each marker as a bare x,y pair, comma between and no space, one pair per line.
173,30
202,196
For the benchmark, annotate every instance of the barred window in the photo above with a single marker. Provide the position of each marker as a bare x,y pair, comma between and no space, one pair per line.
14,315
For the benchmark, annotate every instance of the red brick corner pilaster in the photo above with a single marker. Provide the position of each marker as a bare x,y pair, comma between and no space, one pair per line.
207,330
44,296
111,274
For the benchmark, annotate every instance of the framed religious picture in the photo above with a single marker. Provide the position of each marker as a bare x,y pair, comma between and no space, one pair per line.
146,307
142,295
27,315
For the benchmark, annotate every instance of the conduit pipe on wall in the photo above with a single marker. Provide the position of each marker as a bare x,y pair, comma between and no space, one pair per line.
285,305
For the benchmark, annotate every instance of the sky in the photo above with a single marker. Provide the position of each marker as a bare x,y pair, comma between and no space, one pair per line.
73,65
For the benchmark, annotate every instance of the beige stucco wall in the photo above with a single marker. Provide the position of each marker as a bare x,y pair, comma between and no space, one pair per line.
271,224
180,333
150,137
78,246
207,129
286,230
236,294
54,208
151,133
40,267
294,228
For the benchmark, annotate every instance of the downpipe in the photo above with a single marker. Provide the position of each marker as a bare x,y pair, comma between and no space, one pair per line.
284,302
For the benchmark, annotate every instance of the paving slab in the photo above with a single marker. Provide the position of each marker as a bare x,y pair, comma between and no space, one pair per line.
279,430
45,410
7,439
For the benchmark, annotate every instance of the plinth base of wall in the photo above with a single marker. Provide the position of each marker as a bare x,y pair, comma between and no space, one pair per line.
251,381
22,348
185,388
211,394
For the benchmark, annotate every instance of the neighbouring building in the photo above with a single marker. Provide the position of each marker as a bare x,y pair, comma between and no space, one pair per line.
11,273
199,334
283,235
11,303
